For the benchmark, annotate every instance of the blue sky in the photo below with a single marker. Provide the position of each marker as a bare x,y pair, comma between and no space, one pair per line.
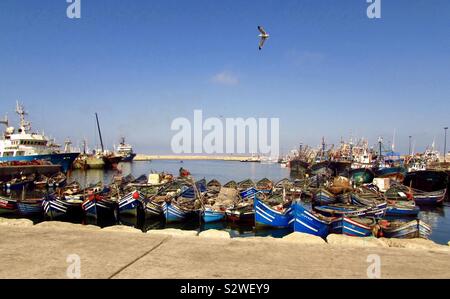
327,69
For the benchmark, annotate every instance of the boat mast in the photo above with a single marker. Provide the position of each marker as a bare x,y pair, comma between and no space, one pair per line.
99,133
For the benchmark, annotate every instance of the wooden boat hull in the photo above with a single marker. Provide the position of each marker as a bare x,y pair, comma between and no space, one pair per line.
342,211
7,205
267,216
323,197
428,180
29,208
241,217
173,213
410,230
351,227
153,210
131,204
55,208
210,216
376,209
98,208
430,198
399,211
305,221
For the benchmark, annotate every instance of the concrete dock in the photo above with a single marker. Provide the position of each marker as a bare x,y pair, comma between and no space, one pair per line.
141,157
42,251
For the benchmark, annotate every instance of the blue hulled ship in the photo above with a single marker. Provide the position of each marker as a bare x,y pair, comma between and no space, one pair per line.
23,145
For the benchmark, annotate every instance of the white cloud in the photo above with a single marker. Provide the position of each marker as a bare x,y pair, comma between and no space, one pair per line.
225,78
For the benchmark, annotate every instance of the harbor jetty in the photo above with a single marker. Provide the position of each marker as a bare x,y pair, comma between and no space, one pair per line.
124,252
142,157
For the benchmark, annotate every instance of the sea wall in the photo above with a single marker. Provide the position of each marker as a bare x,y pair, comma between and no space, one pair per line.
42,251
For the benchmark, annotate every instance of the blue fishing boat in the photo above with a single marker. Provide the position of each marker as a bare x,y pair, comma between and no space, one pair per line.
189,192
153,210
210,215
29,207
130,204
402,209
65,207
54,207
353,226
375,204
98,206
175,213
435,198
323,197
267,216
248,193
309,222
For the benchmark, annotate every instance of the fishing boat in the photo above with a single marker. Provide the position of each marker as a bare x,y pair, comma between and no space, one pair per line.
24,145
406,230
323,197
57,181
241,214
265,186
400,202
211,215
353,226
428,181
215,206
30,203
125,151
231,184
266,215
310,222
191,192
7,205
213,186
41,182
375,203
95,160
435,198
174,212
131,204
62,208
100,206
342,210
21,182
245,185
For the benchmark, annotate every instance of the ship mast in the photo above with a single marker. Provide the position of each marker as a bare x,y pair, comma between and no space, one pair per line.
24,125
99,133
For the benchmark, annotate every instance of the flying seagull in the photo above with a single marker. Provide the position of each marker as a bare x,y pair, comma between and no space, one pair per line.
264,35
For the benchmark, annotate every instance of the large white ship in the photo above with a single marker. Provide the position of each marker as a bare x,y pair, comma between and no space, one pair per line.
22,144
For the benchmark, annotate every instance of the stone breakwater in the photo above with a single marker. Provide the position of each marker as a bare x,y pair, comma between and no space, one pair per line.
41,251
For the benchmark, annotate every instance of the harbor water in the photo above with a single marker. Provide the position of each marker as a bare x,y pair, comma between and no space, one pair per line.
438,218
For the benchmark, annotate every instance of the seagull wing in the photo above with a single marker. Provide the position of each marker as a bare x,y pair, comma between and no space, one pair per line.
261,42
262,30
